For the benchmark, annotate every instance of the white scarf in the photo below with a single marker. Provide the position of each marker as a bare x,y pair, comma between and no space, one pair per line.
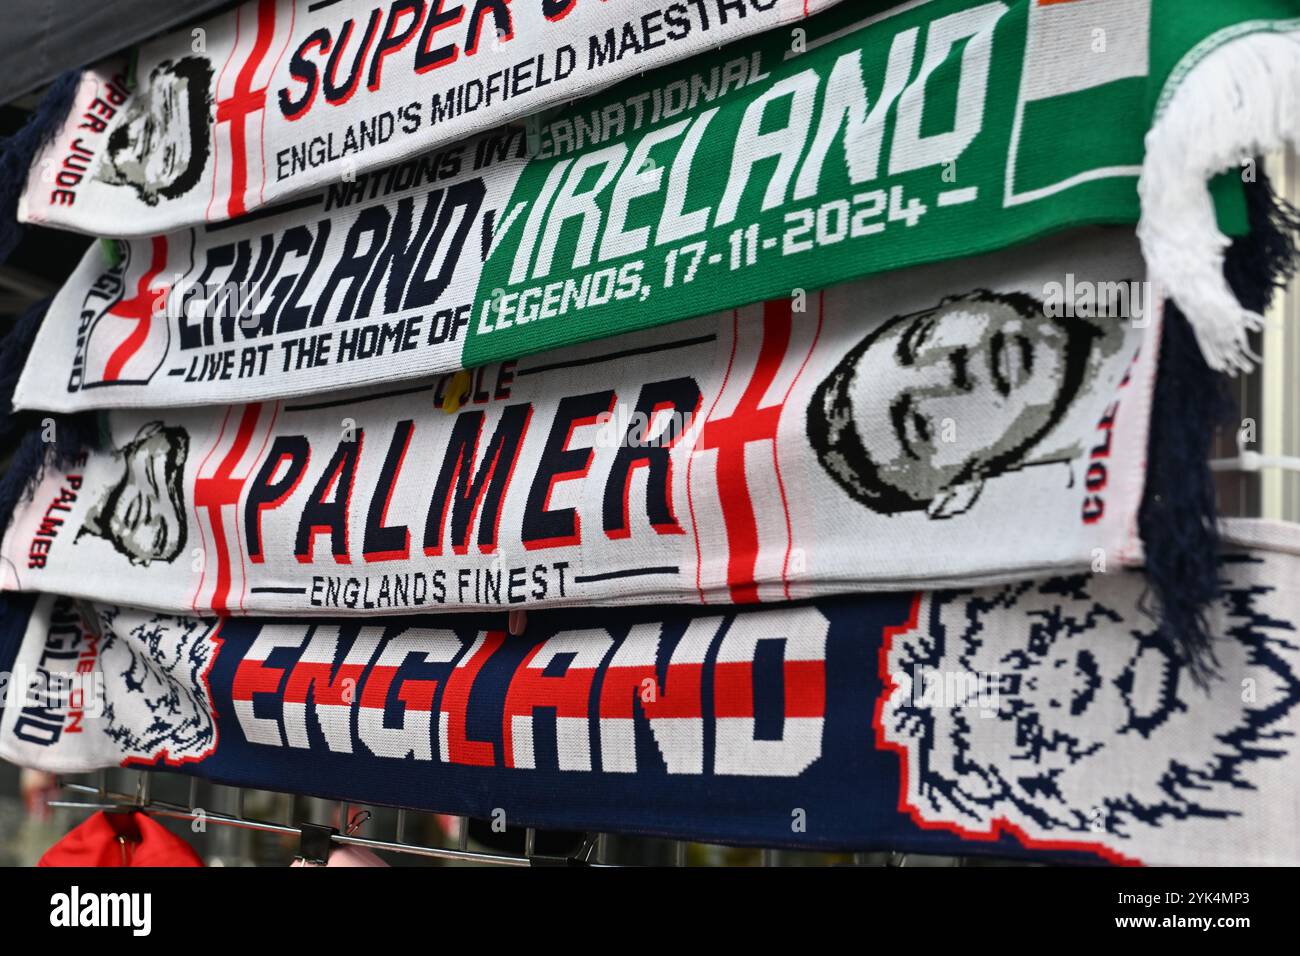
278,97
974,421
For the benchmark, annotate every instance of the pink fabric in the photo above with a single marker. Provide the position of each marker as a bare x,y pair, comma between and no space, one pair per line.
347,856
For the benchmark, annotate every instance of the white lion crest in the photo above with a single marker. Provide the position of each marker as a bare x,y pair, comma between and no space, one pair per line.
1096,731
158,706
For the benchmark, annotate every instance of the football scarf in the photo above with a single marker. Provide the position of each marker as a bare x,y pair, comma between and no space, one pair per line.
1231,100
905,431
923,132
1037,719
276,97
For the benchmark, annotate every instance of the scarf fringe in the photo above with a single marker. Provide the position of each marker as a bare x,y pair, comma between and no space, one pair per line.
71,436
1263,263
14,349
24,471
1178,519
1241,100
18,151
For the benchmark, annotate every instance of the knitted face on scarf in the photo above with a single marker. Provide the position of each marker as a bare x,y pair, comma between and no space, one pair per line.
162,147
143,514
157,689
930,405
1068,687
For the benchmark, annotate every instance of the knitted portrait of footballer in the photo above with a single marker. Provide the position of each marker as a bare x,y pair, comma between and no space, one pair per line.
143,514
161,149
931,405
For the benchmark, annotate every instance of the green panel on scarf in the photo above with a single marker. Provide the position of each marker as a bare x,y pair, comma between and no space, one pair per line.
838,230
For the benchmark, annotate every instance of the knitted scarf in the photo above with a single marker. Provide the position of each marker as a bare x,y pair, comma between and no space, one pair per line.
1035,720
273,98
972,421
918,132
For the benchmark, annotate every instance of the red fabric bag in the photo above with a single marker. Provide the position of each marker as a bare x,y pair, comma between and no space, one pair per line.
120,839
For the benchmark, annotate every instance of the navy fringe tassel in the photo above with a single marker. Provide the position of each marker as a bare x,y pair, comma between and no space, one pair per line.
69,437
18,151
14,349
1178,520
33,435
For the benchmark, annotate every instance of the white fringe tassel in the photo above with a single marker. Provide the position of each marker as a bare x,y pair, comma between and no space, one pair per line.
1242,100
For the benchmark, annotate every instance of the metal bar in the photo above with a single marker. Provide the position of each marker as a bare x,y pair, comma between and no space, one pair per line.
113,801
530,841
588,848
180,813
1253,461
239,803
85,788
401,825
194,792
159,810
679,853
462,836
436,852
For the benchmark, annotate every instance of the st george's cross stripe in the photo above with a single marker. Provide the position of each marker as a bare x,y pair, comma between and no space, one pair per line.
274,98
924,132
868,437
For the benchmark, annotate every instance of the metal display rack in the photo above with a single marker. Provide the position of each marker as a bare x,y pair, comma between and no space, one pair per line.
593,850
110,801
